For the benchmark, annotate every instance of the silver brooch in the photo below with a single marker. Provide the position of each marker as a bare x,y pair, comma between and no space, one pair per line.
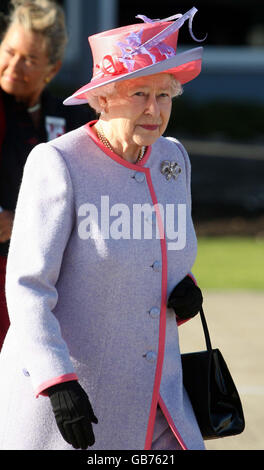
170,169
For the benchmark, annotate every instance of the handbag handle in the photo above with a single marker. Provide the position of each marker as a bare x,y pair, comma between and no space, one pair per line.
206,331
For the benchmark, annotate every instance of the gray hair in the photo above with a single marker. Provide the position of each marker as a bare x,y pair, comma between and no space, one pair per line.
110,89
45,17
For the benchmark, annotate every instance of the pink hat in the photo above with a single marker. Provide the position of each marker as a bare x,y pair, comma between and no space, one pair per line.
139,50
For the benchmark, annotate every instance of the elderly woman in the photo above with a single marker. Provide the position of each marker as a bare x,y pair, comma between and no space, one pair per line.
98,273
31,54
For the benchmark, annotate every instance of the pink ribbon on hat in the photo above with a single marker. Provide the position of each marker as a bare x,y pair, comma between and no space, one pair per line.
133,45
111,65
180,20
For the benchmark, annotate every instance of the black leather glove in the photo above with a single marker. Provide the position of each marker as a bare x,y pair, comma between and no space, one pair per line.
186,299
73,413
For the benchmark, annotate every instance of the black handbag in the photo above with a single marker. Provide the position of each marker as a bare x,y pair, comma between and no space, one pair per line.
212,391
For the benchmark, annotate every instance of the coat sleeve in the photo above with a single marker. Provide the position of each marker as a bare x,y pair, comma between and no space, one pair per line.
187,163
43,223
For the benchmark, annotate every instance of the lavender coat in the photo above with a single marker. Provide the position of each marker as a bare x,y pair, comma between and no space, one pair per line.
85,303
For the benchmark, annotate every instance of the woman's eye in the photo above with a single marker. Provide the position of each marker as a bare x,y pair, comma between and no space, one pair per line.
30,62
140,93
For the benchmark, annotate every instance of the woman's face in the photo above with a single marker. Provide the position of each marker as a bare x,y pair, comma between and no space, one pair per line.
140,109
24,64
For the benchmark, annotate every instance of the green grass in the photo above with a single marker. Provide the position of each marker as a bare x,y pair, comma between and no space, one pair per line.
230,263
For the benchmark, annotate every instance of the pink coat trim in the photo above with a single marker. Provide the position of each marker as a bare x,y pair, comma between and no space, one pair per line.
41,390
162,328
171,424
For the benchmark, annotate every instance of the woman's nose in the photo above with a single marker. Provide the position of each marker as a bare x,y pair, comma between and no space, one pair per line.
15,64
152,107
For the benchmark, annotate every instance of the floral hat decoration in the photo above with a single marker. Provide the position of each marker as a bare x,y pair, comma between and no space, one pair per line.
139,50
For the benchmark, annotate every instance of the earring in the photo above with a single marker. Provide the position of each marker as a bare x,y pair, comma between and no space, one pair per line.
47,80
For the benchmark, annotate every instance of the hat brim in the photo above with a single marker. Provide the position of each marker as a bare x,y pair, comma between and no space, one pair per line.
185,66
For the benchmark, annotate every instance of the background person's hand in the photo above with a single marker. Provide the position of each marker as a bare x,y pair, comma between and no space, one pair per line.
6,224
73,413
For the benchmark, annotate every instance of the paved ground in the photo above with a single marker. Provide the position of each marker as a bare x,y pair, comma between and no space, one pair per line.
236,325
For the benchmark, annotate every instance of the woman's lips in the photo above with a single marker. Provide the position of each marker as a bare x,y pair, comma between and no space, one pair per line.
150,127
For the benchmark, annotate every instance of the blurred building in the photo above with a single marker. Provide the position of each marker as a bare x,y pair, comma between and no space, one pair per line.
234,49
233,66
84,18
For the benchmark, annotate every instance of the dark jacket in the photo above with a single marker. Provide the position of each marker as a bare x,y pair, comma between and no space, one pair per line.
20,136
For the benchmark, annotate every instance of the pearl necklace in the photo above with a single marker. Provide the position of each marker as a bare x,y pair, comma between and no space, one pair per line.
104,141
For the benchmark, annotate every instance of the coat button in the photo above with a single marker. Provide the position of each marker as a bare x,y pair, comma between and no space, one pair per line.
154,312
157,266
151,356
151,219
139,177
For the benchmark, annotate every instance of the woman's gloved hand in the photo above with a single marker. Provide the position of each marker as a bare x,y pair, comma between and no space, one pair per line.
73,413
186,299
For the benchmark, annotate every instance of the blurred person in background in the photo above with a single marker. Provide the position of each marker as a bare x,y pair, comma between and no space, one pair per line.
31,53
